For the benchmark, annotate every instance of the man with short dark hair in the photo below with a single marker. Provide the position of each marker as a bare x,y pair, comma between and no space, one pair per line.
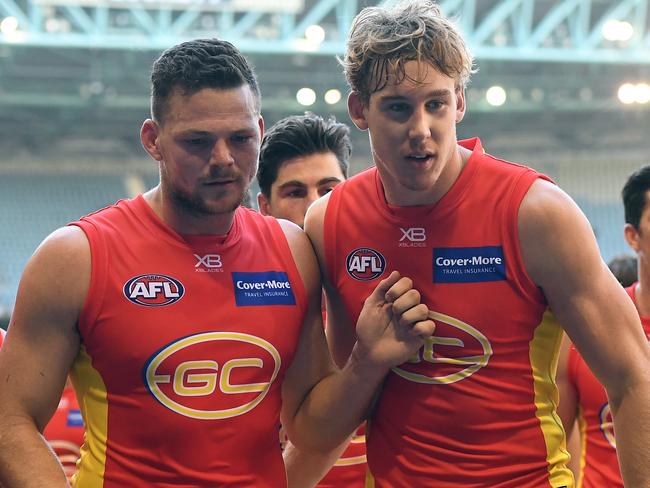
302,158
625,268
190,324
584,406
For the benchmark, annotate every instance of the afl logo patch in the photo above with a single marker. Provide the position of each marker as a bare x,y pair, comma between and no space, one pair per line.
153,290
365,264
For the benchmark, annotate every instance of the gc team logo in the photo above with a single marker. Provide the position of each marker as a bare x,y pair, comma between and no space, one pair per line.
438,362
607,425
153,290
365,264
213,375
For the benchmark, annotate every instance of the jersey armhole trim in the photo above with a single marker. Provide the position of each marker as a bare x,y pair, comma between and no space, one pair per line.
98,263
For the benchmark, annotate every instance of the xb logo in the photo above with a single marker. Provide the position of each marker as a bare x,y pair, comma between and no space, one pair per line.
209,262
413,234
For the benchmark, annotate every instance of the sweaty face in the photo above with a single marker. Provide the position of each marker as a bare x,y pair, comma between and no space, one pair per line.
209,144
412,127
299,183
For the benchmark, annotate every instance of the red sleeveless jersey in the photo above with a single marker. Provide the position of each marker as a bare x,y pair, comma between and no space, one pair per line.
65,431
476,406
598,461
185,342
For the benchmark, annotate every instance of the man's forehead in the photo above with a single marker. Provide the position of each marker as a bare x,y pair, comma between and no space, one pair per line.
236,100
410,75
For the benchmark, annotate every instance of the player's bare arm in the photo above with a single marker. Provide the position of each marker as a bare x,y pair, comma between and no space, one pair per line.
321,406
35,359
561,255
304,468
340,328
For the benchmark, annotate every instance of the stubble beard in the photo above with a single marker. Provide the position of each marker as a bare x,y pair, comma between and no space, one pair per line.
195,205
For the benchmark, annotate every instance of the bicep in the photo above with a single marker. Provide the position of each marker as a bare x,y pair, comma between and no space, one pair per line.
339,329
311,361
43,340
562,257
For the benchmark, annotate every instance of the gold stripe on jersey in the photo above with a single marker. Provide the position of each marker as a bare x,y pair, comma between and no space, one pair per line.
547,337
582,428
350,461
370,479
93,403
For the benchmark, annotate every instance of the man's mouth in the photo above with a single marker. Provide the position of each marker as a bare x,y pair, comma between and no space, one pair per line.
420,157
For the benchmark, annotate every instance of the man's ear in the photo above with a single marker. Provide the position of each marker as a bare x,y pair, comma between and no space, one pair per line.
263,204
357,109
149,138
260,123
460,104
631,236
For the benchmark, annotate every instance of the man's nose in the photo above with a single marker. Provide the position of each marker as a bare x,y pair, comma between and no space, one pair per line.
419,127
312,196
221,154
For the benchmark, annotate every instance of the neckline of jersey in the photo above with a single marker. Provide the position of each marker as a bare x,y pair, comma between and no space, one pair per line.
161,228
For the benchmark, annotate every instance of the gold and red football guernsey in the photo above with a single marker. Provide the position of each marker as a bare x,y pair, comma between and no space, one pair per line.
65,431
598,461
185,342
476,406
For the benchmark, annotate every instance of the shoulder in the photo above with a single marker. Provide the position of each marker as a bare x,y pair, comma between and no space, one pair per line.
316,211
68,243
557,242
60,266
302,252
546,206
297,240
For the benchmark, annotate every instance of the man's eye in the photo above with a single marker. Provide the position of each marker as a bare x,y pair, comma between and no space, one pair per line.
196,141
242,139
398,107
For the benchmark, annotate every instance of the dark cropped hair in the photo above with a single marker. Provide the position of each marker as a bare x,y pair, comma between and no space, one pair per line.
634,199
194,65
297,136
624,268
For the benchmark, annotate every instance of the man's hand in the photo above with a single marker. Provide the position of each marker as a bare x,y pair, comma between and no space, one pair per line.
393,324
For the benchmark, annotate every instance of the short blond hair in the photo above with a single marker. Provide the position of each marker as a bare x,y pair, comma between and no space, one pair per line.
382,40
